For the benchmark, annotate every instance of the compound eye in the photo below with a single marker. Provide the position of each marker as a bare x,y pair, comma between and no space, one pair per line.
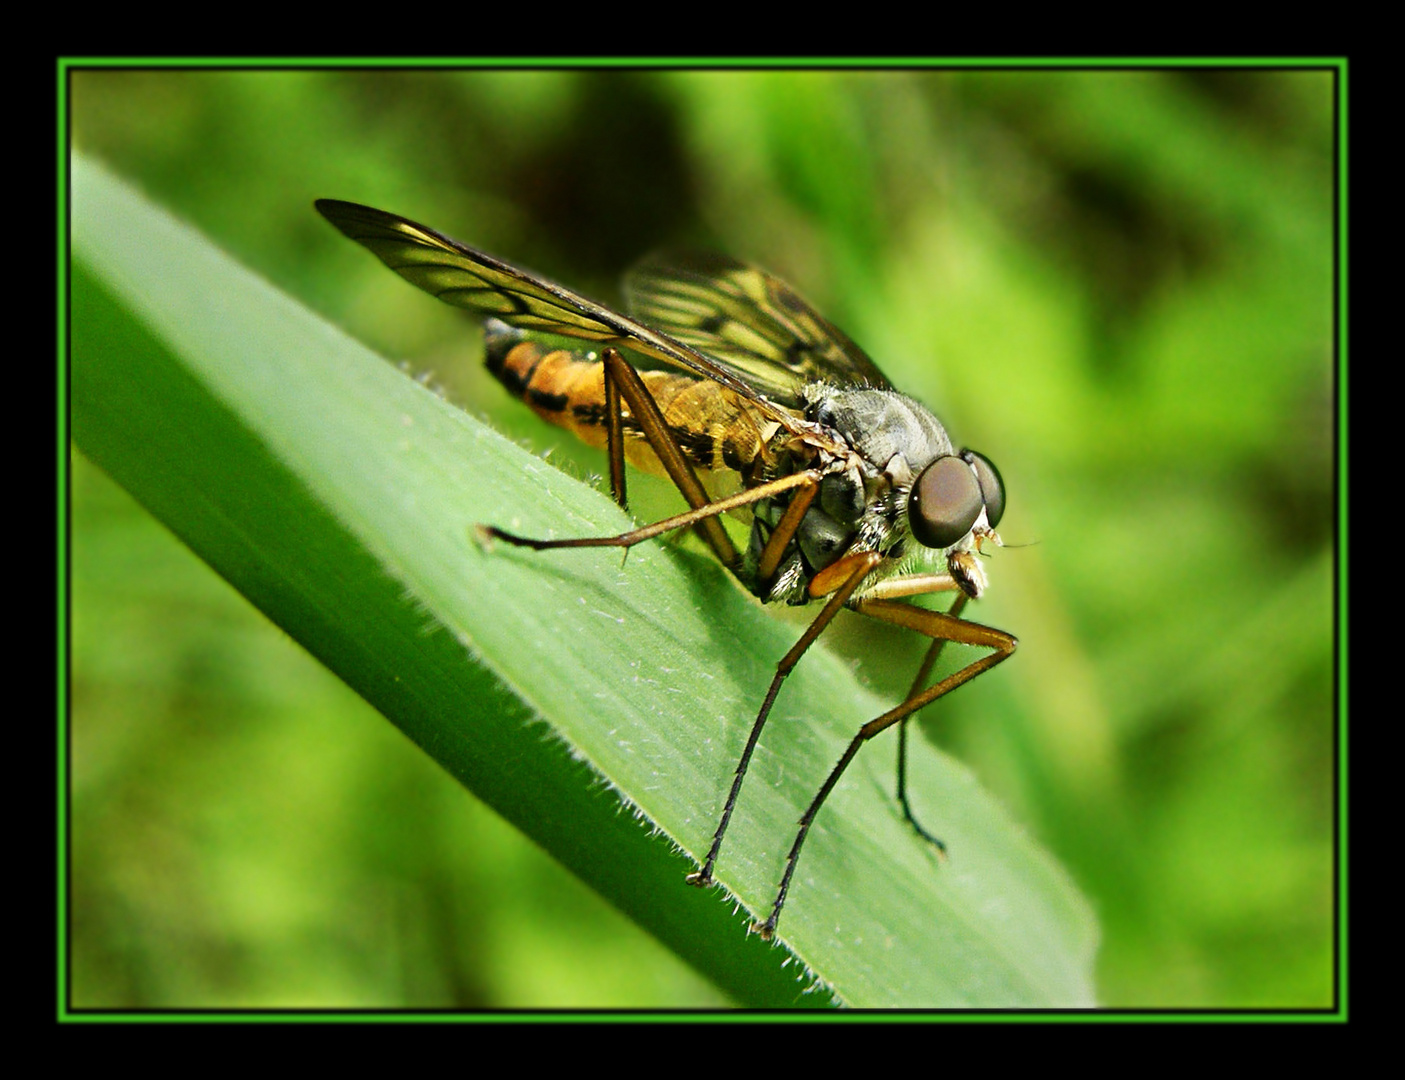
944,503
992,487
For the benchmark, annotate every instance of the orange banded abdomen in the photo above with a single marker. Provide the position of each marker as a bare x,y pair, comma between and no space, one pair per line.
715,428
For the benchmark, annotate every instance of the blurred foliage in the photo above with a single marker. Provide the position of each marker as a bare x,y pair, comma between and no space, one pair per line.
1116,284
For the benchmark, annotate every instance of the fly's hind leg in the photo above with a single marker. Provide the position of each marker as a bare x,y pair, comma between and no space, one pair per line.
623,382
614,437
624,386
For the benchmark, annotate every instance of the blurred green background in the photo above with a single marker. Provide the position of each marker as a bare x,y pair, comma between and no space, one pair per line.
1118,285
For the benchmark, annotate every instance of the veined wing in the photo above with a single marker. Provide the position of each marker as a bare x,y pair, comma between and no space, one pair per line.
468,278
749,322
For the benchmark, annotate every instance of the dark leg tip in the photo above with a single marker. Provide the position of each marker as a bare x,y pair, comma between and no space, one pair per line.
486,534
941,847
701,878
766,929
937,844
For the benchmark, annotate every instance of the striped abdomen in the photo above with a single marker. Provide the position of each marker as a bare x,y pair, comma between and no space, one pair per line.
715,428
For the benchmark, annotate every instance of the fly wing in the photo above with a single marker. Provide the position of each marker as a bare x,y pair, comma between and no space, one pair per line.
468,278
749,323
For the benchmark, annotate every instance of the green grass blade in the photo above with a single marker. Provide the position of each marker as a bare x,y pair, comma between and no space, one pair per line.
600,708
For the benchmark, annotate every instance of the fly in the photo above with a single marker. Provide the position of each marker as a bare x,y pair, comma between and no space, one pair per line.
857,496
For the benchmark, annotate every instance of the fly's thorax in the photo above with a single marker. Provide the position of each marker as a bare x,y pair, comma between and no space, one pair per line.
889,431
715,429
893,439
860,504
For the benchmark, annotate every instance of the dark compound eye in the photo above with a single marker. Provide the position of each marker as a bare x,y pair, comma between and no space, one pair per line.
944,503
992,487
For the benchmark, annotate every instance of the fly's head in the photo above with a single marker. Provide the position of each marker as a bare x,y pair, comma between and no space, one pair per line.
954,505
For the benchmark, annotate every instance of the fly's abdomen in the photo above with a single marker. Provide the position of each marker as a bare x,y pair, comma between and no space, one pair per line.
715,429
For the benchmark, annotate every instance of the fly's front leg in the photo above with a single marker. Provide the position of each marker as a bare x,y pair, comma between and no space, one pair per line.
924,672
919,585
940,628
